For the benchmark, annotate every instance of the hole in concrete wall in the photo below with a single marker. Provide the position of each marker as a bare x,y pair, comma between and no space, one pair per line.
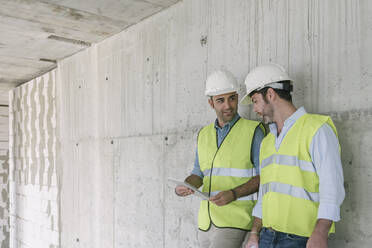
203,40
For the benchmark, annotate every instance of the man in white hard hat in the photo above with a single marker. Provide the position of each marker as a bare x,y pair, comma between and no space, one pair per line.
301,180
226,165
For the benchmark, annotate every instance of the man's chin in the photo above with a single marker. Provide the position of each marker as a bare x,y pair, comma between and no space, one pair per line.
266,120
228,119
229,116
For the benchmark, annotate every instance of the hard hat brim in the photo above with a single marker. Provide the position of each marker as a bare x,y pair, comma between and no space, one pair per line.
220,92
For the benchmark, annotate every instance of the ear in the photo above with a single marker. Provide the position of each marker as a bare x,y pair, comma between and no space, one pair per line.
270,95
210,101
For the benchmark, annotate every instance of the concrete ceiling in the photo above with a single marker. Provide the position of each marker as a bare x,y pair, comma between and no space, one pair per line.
35,34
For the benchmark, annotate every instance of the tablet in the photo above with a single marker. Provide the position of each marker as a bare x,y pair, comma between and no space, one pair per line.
197,192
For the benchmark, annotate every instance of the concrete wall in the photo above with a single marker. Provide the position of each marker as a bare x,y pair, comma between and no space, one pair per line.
134,104
34,211
4,175
129,108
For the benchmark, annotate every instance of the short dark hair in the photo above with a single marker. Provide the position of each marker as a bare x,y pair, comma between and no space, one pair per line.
284,94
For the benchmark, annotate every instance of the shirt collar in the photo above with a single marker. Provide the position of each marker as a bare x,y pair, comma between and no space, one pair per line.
228,124
290,120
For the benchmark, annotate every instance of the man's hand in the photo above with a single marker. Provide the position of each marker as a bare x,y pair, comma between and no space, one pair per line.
254,234
222,198
319,237
194,180
317,240
252,241
183,191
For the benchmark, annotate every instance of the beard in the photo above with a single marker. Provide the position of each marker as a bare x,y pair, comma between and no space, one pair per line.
267,119
267,115
227,118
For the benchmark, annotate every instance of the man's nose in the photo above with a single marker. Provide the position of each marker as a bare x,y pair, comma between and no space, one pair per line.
227,104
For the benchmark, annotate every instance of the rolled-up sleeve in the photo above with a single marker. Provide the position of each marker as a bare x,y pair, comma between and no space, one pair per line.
325,153
196,170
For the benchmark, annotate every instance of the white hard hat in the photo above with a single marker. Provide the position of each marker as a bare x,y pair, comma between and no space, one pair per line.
220,82
264,76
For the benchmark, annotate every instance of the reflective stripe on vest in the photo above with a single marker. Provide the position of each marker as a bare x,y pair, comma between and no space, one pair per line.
289,182
291,190
225,168
288,160
229,172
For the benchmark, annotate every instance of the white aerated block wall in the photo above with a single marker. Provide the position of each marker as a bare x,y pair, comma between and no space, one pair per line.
34,218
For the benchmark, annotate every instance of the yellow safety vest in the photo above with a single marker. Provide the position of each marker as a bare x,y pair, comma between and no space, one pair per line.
289,182
225,168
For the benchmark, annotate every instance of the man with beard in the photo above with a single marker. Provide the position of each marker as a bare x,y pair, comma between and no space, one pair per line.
301,188
225,164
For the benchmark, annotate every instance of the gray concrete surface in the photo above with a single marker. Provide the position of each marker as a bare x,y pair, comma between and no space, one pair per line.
35,34
130,107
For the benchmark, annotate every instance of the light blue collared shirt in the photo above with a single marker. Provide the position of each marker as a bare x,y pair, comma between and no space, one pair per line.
221,134
325,155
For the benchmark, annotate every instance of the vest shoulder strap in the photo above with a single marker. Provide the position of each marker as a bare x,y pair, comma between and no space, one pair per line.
317,121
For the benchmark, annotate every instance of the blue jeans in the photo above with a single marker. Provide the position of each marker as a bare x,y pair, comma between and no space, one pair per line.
273,239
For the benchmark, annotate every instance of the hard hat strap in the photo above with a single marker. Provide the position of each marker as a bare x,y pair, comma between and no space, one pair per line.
281,85
287,86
